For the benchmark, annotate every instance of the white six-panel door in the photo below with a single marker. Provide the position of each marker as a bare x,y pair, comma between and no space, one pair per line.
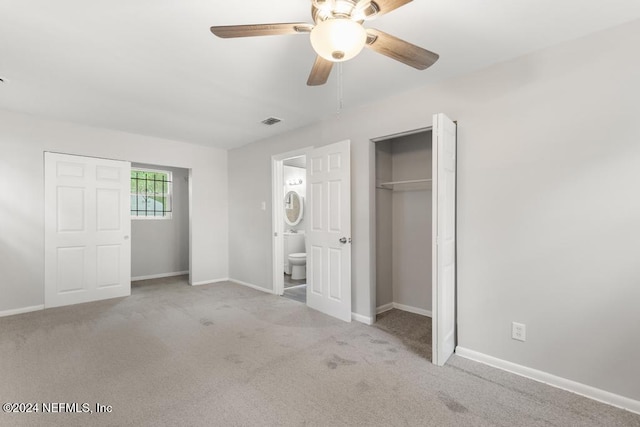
444,243
329,230
87,229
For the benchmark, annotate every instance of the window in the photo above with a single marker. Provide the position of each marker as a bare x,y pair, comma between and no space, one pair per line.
150,194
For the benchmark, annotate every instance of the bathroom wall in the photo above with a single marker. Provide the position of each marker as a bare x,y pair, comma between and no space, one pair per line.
411,222
161,246
295,173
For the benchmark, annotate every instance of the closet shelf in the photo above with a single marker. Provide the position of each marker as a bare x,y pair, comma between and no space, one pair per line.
411,184
411,181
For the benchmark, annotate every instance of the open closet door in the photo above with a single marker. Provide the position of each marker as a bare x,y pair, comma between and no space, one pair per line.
444,231
87,228
329,230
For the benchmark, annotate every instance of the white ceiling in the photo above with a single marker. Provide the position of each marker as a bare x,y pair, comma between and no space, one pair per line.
152,67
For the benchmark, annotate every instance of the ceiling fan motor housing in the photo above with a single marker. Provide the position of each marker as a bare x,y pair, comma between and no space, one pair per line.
353,9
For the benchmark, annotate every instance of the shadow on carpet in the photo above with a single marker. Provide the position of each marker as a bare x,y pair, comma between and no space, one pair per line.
413,329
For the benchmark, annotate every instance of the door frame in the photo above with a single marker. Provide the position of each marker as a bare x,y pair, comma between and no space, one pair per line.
277,215
373,266
140,165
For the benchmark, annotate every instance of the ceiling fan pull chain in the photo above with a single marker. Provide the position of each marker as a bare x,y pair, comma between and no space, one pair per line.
340,99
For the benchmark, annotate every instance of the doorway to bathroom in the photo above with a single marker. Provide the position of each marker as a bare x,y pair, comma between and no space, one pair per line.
289,209
294,172
326,211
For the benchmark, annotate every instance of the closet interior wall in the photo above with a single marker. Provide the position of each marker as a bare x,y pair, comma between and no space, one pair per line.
404,224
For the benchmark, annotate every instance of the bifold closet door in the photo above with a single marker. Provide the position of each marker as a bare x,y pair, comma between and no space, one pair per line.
87,229
444,241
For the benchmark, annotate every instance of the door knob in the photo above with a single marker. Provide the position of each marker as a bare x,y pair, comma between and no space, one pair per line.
343,240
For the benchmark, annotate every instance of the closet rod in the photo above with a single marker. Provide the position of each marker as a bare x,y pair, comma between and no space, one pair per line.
411,181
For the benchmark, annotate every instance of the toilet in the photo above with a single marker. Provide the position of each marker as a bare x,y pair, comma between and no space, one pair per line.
293,243
298,263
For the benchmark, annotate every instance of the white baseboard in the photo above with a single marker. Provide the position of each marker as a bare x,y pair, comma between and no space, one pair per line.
384,308
209,282
159,276
552,380
414,310
403,307
252,286
362,319
21,310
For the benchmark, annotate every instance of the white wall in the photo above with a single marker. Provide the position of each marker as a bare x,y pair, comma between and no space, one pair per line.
23,139
548,207
161,246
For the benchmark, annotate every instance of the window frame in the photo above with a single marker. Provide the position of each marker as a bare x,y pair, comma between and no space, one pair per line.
168,215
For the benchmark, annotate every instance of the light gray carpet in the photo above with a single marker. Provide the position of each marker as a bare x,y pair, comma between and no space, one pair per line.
224,354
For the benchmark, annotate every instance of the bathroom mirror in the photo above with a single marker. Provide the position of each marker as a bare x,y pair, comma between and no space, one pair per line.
293,207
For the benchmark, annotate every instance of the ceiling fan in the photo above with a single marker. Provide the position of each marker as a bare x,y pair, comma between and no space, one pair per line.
339,35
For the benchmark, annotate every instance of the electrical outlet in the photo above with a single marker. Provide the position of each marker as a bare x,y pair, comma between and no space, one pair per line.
263,206
518,331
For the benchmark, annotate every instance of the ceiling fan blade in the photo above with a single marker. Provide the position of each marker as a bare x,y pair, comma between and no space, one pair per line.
233,31
320,72
386,6
400,50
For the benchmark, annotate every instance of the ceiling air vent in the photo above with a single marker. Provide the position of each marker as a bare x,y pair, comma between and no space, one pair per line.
271,121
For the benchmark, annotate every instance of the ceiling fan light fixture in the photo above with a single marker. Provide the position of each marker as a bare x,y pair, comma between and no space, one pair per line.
338,39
